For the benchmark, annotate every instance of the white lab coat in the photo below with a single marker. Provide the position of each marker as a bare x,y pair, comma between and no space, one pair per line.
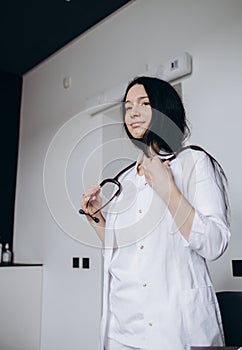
178,308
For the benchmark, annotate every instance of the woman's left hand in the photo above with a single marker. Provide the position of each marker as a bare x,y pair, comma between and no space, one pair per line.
159,176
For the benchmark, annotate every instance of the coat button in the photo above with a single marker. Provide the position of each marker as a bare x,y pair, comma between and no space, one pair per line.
150,324
140,211
141,247
144,285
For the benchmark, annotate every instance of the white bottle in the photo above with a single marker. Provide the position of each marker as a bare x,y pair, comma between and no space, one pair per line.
7,255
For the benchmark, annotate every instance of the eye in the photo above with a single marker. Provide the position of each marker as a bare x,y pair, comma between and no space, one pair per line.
146,103
128,108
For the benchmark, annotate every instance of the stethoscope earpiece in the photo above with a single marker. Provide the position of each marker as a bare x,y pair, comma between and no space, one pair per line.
82,212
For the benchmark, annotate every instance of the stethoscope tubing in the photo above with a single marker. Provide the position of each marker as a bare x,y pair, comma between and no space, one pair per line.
116,182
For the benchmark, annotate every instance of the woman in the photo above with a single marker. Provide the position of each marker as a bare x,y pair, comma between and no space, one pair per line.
171,218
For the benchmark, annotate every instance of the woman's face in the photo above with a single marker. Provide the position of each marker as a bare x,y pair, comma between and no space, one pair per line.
138,111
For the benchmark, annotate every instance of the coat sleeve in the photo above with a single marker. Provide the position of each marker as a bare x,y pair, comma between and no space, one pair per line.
210,233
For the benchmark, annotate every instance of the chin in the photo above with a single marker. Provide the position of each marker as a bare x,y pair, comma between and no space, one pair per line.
137,134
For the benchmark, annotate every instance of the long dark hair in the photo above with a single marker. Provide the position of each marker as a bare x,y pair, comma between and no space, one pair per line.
169,129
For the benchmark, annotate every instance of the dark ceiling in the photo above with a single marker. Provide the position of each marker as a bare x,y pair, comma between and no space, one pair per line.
32,30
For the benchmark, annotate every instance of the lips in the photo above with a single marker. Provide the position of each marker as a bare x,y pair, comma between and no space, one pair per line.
136,124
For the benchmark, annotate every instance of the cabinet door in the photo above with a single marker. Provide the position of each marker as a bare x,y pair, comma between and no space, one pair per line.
20,307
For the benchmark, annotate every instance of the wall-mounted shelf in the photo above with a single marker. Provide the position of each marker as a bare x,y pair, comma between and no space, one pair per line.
18,264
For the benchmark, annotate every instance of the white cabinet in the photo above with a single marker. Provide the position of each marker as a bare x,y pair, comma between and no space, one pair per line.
20,307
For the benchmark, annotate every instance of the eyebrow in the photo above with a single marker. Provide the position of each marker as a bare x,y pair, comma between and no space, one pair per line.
139,98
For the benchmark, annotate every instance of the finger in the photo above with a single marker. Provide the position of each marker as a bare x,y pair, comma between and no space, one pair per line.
84,203
155,160
93,190
166,163
92,193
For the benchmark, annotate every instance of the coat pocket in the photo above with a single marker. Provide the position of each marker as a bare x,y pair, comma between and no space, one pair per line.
201,317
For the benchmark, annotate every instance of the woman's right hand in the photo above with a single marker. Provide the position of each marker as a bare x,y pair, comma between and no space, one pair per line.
91,202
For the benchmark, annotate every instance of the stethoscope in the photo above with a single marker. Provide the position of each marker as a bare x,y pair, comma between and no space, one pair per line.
115,181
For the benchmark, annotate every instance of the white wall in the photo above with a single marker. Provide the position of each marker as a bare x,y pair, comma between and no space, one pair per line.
145,32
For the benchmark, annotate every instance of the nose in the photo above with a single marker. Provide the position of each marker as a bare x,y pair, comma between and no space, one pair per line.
135,111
